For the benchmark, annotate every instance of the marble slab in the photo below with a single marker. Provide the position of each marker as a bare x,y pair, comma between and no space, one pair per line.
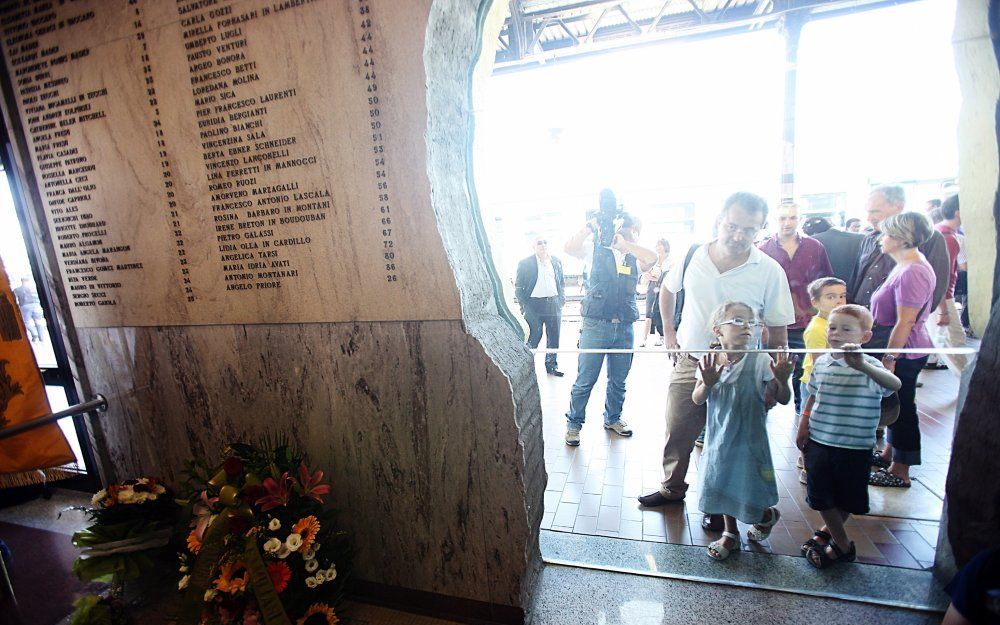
575,595
866,583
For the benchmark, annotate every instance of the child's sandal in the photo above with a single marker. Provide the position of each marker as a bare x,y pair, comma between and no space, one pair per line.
760,531
819,558
813,542
717,549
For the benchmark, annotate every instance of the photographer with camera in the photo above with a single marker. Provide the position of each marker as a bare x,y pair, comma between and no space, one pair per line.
609,311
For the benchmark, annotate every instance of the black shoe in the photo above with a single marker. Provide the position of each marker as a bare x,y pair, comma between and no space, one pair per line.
713,523
935,366
656,499
555,372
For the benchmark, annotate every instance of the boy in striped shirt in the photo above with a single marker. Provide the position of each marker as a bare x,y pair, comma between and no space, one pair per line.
836,436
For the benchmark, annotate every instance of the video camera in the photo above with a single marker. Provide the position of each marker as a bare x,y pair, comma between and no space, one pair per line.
605,216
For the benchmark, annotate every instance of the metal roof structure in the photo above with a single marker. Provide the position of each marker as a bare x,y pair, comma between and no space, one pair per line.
537,31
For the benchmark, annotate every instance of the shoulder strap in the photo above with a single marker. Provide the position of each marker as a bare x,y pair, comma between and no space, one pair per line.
679,301
687,261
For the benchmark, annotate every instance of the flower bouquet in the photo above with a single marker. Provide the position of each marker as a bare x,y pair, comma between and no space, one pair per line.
263,548
130,520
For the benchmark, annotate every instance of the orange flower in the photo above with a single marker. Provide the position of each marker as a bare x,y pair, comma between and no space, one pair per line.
308,528
279,574
319,609
228,581
193,542
112,498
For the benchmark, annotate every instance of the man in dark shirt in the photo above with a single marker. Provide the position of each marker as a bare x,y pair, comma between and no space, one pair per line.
540,292
873,266
803,260
842,247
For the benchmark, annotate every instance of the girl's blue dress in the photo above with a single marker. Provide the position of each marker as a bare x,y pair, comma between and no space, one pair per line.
737,477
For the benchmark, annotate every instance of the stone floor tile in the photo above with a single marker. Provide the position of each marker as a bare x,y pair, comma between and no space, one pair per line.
590,505
609,519
630,529
630,509
566,514
572,493
585,525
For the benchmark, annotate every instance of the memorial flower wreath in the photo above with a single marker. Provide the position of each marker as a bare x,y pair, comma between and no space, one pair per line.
263,548
131,523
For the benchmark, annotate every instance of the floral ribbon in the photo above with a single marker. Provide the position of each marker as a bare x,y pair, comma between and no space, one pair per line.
212,546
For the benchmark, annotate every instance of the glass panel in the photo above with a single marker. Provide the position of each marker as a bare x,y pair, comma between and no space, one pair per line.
58,401
23,281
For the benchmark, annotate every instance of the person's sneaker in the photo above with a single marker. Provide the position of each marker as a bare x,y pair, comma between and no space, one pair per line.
700,441
619,427
803,477
800,463
573,437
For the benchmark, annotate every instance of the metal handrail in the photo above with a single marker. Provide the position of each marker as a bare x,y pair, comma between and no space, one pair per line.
99,403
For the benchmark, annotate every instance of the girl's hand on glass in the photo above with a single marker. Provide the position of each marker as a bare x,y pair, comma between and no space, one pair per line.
711,369
782,365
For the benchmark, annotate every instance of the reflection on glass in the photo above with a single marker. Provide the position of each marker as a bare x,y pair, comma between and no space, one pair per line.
57,402
22,280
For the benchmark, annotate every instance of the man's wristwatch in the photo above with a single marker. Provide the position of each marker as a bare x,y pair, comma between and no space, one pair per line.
889,358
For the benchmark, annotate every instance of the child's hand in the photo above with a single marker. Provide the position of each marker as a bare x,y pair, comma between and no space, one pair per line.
782,366
711,369
802,438
852,358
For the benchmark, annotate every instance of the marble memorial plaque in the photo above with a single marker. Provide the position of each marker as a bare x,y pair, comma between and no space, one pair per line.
214,162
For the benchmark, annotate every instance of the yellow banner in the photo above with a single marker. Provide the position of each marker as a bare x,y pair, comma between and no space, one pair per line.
22,398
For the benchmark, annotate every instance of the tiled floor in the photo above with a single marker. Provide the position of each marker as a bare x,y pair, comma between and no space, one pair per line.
592,489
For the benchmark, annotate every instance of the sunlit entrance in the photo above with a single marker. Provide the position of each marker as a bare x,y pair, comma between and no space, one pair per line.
673,128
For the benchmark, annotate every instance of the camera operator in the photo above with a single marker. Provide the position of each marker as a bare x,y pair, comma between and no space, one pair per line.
609,311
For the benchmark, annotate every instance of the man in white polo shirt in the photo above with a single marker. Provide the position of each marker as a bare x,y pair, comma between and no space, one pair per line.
728,269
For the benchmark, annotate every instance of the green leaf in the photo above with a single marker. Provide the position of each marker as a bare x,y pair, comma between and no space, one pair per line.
91,611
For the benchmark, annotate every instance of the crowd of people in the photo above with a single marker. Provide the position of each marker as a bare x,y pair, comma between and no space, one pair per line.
892,286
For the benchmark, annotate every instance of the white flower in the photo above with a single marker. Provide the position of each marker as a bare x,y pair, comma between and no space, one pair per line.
310,553
331,574
98,497
311,582
181,585
126,495
293,542
274,525
210,594
159,490
139,497
272,545
284,552
183,568
311,565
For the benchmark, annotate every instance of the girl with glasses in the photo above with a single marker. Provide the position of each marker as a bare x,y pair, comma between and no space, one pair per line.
737,477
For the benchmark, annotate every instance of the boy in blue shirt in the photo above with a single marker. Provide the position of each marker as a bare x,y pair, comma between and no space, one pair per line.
837,434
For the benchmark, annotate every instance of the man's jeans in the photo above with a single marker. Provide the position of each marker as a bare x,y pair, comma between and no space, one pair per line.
600,334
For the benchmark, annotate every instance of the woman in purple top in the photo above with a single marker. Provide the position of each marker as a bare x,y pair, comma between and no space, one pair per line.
903,303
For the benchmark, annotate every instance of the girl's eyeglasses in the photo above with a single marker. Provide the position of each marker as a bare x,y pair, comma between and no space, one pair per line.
740,322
